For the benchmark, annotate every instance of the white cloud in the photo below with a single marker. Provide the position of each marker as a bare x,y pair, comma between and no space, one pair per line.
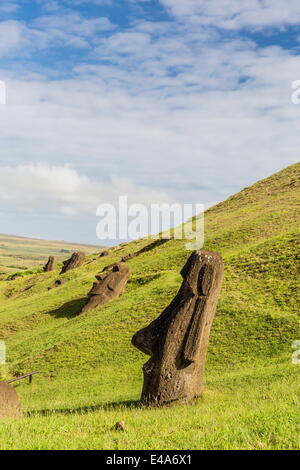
10,36
184,133
230,14
55,5
185,110
71,23
84,2
60,188
8,7
67,29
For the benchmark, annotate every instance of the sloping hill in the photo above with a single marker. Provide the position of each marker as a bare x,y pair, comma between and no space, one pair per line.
20,253
91,375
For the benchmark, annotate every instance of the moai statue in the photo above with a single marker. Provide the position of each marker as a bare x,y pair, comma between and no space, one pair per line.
177,340
50,265
104,253
76,260
111,283
10,405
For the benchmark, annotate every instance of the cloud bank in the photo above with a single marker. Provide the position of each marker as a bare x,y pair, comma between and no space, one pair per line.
62,189
190,107
233,15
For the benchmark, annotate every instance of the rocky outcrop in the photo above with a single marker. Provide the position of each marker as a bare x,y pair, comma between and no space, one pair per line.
177,340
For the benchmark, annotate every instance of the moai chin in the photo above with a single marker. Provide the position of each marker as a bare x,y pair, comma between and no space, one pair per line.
177,340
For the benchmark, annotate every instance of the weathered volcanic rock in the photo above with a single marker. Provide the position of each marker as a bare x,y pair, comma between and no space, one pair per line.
110,285
76,260
177,340
58,283
10,405
50,265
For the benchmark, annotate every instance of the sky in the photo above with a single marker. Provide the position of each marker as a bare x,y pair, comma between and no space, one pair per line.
164,101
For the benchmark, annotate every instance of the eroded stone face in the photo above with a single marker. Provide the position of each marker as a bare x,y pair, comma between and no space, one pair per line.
177,340
76,260
10,405
111,283
50,265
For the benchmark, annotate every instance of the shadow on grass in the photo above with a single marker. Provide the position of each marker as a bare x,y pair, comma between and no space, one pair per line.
129,404
69,309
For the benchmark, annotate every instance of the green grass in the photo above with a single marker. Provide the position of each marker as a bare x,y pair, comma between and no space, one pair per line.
90,375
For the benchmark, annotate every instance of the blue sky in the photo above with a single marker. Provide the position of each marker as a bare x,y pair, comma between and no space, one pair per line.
162,100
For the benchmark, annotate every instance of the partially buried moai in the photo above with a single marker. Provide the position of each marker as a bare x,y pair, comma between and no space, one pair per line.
10,405
50,265
57,283
111,283
76,260
177,340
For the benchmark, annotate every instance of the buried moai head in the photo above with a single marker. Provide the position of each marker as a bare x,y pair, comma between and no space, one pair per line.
10,405
50,265
76,260
177,340
111,283
57,283
104,253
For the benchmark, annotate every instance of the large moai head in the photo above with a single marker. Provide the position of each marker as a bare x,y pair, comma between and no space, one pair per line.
76,260
111,283
177,340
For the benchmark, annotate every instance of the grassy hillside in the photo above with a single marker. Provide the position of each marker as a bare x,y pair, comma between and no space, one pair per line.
90,375
18,253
